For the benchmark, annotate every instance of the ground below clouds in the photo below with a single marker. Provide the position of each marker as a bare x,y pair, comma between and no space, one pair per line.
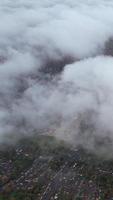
42,168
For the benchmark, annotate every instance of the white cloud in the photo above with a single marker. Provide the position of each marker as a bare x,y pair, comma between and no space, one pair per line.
37,34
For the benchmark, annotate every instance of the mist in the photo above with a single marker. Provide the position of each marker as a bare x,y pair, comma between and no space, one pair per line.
56,71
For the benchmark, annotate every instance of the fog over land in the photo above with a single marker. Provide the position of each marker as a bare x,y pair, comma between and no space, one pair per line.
56,71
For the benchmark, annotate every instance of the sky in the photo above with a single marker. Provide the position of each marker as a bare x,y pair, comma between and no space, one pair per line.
56,71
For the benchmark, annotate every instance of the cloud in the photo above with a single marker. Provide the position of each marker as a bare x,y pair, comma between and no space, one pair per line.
56,70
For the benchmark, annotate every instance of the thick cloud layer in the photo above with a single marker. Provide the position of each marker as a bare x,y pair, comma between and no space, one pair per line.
56,70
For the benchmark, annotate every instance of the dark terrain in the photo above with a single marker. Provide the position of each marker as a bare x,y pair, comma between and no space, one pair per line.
42,168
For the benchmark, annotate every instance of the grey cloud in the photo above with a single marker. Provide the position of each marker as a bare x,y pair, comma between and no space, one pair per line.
56,70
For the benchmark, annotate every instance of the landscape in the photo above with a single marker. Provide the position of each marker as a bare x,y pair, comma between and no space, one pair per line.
43,168
56,100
